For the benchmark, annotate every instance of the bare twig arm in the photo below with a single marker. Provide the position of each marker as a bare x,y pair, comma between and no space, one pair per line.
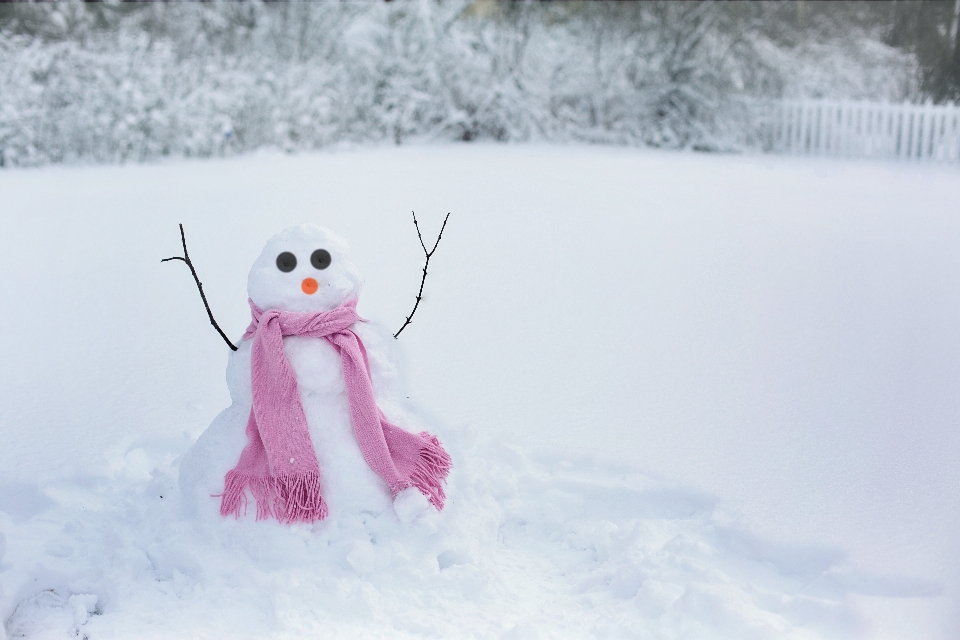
428,254
186,259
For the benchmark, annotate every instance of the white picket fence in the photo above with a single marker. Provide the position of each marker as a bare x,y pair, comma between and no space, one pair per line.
863,129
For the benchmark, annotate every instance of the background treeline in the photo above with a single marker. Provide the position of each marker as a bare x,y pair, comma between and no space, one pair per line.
114,82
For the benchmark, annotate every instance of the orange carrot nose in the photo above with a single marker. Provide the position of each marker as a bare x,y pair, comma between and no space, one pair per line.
309,286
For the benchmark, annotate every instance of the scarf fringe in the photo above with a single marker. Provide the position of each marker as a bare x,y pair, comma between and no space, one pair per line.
263,492
297,498
234,498
430,472
293,498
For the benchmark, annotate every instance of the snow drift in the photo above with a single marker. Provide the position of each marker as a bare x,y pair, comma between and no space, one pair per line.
687,395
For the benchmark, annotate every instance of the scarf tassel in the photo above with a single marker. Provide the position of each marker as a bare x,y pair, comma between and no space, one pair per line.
292,498
234,497
297,498
430,472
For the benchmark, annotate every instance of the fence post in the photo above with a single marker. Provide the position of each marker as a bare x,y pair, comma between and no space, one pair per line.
818,109
954,148
916,132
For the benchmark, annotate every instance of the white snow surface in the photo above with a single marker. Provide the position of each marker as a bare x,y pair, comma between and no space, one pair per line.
686,396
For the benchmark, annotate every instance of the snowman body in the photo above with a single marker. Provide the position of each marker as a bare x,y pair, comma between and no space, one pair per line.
304,284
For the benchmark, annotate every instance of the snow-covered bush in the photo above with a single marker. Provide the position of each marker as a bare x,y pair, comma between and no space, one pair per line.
114,83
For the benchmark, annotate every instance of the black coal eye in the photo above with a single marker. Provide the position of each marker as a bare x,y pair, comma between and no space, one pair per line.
286,261
320,259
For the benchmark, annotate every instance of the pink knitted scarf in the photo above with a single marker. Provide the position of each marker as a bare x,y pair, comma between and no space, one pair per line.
279,464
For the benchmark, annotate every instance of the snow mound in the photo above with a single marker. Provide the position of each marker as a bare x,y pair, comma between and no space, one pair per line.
527,547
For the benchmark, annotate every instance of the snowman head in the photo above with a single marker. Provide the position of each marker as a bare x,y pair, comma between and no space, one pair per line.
305,268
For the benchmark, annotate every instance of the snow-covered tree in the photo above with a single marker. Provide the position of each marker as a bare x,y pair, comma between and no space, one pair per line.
130,82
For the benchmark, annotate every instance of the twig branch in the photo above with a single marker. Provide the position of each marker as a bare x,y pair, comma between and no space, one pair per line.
186,259
427,264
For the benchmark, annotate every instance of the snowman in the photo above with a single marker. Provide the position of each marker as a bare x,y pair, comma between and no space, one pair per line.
305,438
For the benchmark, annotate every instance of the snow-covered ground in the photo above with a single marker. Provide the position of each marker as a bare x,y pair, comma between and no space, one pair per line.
687,396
